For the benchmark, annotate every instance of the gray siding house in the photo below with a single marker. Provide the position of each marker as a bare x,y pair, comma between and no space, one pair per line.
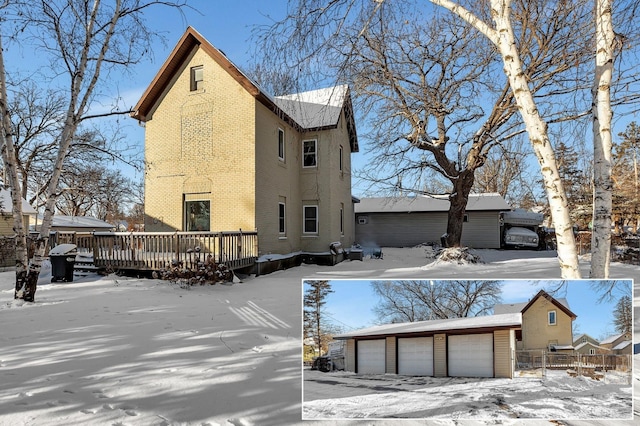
409,221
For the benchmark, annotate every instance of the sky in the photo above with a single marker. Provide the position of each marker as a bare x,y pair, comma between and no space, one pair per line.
351,304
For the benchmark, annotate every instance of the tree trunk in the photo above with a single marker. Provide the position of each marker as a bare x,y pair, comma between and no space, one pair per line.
602,142
457,209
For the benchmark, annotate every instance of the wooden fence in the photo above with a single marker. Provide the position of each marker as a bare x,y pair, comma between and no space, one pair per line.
157,250
541,360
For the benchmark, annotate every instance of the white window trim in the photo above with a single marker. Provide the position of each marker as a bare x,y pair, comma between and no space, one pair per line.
284,148
304,219
315,144
555,317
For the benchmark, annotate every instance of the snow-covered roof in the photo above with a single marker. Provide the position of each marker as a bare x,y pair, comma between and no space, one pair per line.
622,345
611,339
506,308
491,321
423,203
582,345
61,221
5,204
314,109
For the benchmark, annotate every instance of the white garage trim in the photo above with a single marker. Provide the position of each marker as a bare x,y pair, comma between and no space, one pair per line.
415,356
371,356
470,355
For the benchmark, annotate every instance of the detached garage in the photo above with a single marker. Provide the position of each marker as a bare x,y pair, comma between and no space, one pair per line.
458,347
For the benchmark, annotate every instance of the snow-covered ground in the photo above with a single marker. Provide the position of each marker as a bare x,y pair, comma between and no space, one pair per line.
126,351
340,395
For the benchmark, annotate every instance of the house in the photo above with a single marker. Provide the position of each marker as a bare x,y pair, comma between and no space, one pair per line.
612,341
457,347
587,345
546,323
409,221
223,155
64,223
6,213
623,348
7,234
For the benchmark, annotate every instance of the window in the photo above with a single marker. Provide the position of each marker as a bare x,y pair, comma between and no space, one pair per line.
584,340
197,215
341,219
281,218
592,351
197,77
465,218
340,160
362,220
309,154
552,317
310,218
281,144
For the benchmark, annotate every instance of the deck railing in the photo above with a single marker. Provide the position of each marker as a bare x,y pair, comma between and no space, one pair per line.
158,250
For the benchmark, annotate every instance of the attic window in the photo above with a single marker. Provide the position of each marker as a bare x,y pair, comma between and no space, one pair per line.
552,317
197,78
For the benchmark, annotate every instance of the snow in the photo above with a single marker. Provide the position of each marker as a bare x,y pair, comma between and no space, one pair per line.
128,351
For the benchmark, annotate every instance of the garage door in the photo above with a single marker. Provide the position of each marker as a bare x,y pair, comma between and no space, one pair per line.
415,356
371,356
471,355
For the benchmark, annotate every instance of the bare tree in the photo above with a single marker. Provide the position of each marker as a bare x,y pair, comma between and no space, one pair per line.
84,40
421,300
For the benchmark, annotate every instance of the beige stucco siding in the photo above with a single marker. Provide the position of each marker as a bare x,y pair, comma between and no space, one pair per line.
503,347
537,333
201,145
391,352
440,355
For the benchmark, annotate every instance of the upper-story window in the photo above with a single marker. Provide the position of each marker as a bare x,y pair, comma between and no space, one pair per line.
281,144
309,153
552,317
341,164
197,78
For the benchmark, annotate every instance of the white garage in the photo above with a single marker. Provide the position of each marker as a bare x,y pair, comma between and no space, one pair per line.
470,355
371,356
415,356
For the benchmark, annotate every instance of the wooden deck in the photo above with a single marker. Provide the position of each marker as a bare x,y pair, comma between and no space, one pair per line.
152,251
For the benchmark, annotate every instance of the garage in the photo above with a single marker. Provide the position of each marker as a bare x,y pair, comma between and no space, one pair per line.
371,356
415,356
470,355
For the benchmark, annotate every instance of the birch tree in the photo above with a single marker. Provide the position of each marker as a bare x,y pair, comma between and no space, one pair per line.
84,40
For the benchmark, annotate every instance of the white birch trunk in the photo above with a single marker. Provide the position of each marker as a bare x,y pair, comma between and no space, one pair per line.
8,152
602,142
503,37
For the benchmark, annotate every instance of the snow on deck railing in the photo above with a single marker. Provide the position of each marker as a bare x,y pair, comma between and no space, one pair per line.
158,250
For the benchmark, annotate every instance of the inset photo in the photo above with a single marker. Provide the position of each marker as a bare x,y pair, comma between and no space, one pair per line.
467,349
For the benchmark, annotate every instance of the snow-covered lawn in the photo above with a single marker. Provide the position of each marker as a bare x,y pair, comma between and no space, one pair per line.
126,351
340,395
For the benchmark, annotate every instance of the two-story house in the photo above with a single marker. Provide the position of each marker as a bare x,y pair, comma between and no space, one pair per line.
546,323
587,345
223,155
612,342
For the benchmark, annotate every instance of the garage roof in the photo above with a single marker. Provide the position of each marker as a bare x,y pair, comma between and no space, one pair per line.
442,325
423,203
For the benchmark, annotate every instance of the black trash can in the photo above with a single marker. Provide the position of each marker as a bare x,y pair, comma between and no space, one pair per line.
63,259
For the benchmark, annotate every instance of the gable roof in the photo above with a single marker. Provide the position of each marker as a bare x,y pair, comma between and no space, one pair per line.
441,325
622,345
6,206
298,110
582,345
611,339
583,335
423,203
560,303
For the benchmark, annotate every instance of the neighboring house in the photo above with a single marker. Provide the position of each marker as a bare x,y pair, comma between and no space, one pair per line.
613,341
623,348
6,214
546,323
588,348
584,338
409,221
457,347
222,155
78,224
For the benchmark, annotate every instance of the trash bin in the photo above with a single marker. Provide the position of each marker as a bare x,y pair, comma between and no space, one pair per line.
63,259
